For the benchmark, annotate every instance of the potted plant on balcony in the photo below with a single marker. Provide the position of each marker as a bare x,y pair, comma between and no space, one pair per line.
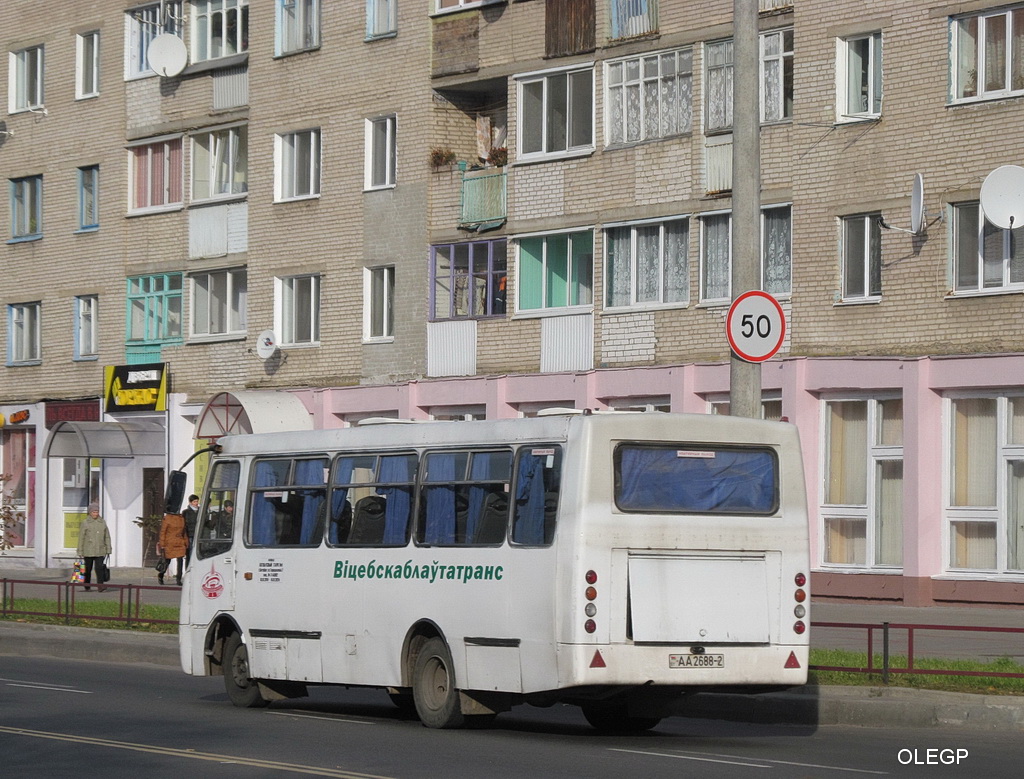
441,156
498,156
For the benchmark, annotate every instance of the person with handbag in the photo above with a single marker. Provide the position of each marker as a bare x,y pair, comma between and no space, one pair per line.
94,546
172,545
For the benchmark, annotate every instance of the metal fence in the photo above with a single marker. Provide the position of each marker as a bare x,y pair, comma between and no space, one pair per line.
130,599
908,639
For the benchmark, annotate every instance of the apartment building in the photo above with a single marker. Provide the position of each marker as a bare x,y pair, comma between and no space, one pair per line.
452,209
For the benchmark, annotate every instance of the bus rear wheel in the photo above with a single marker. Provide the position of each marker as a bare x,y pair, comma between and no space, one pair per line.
434,690
243,690
615,718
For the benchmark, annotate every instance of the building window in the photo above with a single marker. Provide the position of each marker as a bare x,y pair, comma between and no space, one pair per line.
89,197
381,18
556,271
86,318
650,96
381,152
860,76
87,64
378,303
218,302
220,163
986,490
862,257
992,45
986,258
27,207
776,250
18,464
298,25
297,165
26,79
775,81
23,323
468,279
156,175
862,508
154,309
220,28
444,5
716,257
630,18
297,315
141,26
648,263
556,113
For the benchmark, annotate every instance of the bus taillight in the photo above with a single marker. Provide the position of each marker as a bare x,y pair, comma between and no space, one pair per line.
800,596
800,580
590,626
591,593
591,577
799,627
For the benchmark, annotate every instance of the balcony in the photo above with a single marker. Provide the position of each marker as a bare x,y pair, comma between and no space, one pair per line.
482,201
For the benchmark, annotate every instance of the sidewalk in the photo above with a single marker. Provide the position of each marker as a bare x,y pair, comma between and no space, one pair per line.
871,706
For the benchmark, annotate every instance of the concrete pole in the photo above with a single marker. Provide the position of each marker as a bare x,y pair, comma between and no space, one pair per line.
744,377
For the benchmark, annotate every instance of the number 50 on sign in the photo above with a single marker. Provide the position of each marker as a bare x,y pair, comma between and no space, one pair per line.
756,326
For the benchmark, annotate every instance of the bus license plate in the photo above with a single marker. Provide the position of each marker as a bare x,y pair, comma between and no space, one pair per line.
696,661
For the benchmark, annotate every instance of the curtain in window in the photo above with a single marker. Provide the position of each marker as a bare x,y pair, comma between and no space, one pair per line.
773,108
974,452
440,500
307,473
973,545
677,92
716,257
1015,517
528,526
479,471
263,525
848,453
531,273
648,263
676,282
778,255
341,509
967,57
634,114
720,78
845,541
889,513
397,474
1017,50
995,53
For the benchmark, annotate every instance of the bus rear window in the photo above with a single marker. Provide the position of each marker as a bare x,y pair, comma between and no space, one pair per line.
699,479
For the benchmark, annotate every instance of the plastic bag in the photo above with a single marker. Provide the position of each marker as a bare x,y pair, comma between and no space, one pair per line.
78,571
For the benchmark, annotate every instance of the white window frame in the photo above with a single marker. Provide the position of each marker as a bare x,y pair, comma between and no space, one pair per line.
381,18
86,327
579,284
141,26
869,75
286,315
26,208
381,158
453,6
648,74
220,163
635,228
24,342
379,304
784,288
87,65
967,60
88,198
206,21
26,78
170,173
877,453
995,273
218,298
294,153
705,296
870,259
719,62
535,142
776,73
298,26
996,513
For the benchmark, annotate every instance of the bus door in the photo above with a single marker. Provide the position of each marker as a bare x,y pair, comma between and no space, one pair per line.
211,576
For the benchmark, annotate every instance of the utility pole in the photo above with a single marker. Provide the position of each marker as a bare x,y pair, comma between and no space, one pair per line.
745,377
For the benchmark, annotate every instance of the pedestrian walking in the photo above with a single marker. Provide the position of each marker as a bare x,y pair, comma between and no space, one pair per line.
94,546
173,544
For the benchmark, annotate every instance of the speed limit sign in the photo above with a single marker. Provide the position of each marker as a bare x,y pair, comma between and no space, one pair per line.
756,326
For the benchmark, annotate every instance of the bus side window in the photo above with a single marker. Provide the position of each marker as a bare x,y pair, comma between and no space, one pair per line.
288,501
215,525
371,500
538,480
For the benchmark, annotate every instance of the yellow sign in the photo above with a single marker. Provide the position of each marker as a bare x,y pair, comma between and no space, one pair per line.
72,528
135,387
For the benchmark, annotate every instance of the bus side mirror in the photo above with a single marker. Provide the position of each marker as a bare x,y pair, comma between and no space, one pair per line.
175,492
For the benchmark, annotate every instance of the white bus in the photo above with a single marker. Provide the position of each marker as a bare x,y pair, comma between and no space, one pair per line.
614,561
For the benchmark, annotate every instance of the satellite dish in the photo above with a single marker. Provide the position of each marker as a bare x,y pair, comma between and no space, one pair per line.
266,344
167,55
1002,197
917,204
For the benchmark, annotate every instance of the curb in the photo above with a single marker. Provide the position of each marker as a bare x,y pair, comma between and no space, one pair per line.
808,706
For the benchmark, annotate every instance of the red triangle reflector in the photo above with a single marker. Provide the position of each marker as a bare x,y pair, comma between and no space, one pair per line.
792,662
598,661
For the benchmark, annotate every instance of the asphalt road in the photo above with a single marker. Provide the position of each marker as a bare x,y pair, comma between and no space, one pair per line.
77,718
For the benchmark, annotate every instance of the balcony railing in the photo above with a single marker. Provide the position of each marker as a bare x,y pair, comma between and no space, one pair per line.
483,197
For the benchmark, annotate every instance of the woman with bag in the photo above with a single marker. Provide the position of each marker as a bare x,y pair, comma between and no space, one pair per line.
94,545
172,545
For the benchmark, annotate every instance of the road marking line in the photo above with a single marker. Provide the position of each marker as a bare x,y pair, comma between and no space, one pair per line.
319,716
687,757
706,756
172,752
50,687
806,765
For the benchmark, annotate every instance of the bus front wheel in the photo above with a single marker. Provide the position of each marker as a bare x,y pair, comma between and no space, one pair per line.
434,691
243,690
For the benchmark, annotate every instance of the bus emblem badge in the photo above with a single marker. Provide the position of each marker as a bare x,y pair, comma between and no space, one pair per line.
212,585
